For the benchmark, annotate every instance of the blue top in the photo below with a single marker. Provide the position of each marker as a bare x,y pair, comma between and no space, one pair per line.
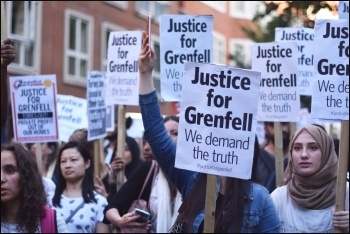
259,215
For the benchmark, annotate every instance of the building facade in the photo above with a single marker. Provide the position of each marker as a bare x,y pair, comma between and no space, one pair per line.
69,38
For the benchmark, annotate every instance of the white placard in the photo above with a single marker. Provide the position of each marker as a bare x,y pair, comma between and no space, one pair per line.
34,111
72,115
95,95
330,98
279,99
217,128
343,9
122,69
183,38
305,39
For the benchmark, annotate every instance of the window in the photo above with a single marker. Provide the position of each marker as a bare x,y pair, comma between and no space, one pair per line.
244,9
220,6
156,70
219,49
119,4
22,29
154,8
107,28
240,53
78,49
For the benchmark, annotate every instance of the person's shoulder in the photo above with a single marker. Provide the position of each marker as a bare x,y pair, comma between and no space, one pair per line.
100,199
258,188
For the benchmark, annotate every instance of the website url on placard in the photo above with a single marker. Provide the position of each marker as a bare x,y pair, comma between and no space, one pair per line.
214,168
340,113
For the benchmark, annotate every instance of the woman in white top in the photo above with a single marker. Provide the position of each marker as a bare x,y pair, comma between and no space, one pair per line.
307,200
23,198
74,197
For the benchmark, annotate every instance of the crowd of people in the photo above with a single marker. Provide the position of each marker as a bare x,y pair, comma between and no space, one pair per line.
67,196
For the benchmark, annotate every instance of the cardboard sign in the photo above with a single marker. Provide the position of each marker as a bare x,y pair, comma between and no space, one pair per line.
279,99
122,69
33,101
305,39
95,95
330,98
183,38
217,129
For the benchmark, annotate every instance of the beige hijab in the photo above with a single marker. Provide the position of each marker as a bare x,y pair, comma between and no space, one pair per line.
318,190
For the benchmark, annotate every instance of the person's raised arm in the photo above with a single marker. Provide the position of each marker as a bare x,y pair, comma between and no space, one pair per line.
147,60
8,54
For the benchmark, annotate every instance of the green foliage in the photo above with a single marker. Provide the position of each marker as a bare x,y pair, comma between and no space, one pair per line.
295,13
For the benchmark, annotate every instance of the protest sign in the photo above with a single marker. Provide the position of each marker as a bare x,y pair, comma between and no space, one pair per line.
343,9
122,69
183,38
305,40
279,99
72,115
110,118
216,127
33,100
330,98
95,96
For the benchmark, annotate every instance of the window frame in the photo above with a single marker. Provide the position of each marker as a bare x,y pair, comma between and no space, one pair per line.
33,39
104,51
69,79
246,45
221,51
219,6
123,5
151,9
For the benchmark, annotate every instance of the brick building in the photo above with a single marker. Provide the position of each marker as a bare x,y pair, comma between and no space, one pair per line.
69,38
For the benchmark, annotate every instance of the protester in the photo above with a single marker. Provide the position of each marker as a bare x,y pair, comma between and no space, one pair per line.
162,196
74,197
266,167
242,205
307,200
8,54
130,162
23,199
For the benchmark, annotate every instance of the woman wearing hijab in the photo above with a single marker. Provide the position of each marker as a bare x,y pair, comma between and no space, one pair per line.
307,200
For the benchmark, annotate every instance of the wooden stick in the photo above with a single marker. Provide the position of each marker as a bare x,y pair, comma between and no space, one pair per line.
39,159
210,204
342,170
121,143
279,167
96,158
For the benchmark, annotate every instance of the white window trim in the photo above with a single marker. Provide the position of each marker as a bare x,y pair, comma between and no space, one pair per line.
150,11
250,9
67,78
222,38
118,4
246,43
220,6
107,25
17,68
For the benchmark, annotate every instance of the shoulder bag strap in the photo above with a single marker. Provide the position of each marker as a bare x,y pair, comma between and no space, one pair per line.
147,178
74,212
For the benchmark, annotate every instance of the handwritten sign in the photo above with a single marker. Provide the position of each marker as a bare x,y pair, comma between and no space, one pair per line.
34,111
72,115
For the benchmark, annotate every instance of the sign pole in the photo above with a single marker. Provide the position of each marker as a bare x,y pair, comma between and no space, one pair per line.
342,169
279,166
121,143
210,204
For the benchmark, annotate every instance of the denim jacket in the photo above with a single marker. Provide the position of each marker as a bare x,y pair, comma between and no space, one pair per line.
259,215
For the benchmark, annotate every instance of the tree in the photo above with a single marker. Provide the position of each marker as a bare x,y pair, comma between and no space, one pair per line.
284,14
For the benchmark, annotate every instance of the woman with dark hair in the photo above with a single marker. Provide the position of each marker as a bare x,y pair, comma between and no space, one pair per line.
23,199
162,196
241,205
306,201
74,197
